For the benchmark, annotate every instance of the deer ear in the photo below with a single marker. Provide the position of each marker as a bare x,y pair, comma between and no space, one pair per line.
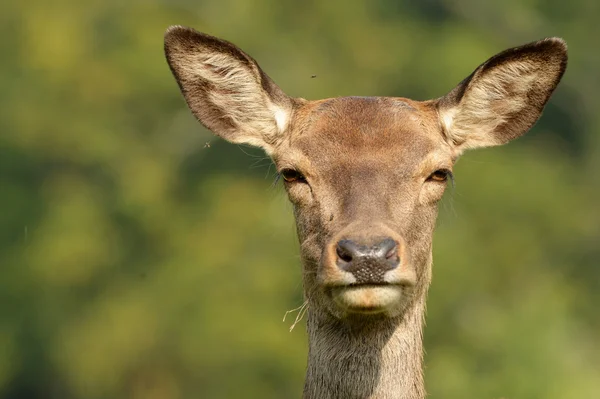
504,96
226,89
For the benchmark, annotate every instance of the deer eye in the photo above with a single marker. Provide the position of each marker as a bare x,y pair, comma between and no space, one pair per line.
291,175
440,175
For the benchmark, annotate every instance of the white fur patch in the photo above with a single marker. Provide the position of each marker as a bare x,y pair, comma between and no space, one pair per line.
448,118
281,117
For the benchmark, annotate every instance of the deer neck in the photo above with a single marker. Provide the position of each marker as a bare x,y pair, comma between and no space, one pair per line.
378,358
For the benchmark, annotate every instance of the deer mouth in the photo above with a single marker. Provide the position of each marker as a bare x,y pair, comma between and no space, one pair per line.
369,298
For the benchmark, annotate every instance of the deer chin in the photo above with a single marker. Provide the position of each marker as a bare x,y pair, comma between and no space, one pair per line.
369,299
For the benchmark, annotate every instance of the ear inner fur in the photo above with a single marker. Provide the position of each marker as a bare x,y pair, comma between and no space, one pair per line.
504,96
226,89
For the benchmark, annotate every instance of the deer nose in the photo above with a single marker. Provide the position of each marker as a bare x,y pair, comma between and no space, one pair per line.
368,264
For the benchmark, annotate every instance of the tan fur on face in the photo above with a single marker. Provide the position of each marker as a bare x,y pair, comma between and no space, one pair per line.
366,164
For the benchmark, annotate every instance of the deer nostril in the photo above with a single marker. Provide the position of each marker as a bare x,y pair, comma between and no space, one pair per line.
392,253
389,248
346,250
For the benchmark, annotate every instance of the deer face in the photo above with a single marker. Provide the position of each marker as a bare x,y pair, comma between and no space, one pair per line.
364,174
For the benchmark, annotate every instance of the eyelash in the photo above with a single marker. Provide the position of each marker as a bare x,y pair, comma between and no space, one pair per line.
441,176
291,176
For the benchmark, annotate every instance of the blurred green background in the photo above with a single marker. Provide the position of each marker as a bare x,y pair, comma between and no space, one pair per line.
138,261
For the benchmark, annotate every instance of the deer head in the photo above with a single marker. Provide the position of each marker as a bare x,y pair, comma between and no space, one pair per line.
364,173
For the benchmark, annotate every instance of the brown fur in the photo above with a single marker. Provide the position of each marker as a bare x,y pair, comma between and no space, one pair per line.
368,166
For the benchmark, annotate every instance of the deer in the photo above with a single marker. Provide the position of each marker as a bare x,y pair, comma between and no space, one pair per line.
364,176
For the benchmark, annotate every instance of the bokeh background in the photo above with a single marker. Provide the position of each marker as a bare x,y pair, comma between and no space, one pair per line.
140,257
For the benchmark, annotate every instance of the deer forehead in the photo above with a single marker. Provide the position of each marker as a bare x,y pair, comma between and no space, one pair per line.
353,135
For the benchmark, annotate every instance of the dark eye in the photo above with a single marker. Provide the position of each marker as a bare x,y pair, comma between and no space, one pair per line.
291,175
440,175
